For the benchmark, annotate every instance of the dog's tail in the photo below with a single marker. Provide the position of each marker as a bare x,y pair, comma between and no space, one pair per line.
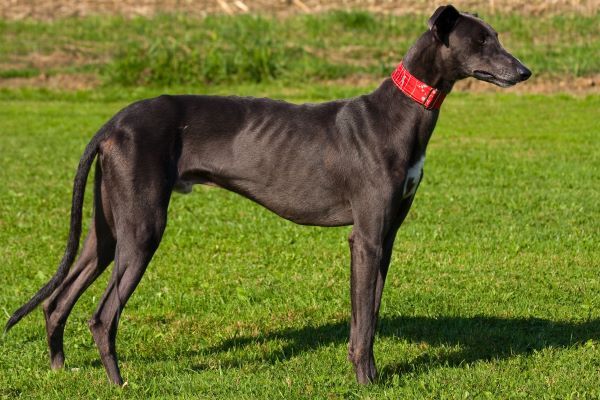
81,176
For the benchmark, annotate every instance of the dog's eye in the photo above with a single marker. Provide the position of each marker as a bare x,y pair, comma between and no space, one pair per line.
482,40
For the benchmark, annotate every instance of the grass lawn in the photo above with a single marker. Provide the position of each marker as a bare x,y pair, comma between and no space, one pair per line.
493,292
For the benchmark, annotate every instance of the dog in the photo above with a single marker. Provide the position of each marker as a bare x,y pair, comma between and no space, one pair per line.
353,162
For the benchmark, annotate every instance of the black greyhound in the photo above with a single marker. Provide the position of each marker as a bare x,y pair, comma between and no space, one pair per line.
347,162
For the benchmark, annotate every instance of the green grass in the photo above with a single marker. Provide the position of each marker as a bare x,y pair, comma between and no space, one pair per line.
493,292
179,50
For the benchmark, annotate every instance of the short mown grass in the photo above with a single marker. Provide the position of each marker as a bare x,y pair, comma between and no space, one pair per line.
494,289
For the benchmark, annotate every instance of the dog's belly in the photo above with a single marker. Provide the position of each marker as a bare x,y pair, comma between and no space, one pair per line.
289,202
307,210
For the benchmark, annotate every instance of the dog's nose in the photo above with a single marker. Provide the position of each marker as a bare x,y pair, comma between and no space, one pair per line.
524,73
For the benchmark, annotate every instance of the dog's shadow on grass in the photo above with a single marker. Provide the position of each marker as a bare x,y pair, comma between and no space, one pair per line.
470,339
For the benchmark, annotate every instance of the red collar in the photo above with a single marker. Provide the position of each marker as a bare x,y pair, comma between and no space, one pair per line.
422,93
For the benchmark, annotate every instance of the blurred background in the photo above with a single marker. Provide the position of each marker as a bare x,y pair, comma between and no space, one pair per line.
185,45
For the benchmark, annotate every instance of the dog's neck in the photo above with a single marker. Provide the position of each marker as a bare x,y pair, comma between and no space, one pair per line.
425,61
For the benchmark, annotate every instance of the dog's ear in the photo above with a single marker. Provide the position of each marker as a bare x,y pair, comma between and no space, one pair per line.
442,21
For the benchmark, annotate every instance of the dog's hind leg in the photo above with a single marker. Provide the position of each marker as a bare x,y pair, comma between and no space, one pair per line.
97,252
140,214
136,245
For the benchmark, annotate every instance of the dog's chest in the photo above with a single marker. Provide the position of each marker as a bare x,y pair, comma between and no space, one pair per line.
413,178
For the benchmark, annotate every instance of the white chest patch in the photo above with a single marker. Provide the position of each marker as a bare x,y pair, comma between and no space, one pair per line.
413,177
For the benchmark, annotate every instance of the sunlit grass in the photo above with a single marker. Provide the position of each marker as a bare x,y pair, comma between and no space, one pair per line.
493,291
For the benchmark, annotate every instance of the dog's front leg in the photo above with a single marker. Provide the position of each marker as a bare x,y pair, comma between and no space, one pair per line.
366,250
365,256
388,245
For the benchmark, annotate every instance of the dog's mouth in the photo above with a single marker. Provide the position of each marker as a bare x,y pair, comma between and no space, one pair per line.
488,77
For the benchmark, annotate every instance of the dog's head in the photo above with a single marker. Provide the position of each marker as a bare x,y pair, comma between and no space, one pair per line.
470,47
